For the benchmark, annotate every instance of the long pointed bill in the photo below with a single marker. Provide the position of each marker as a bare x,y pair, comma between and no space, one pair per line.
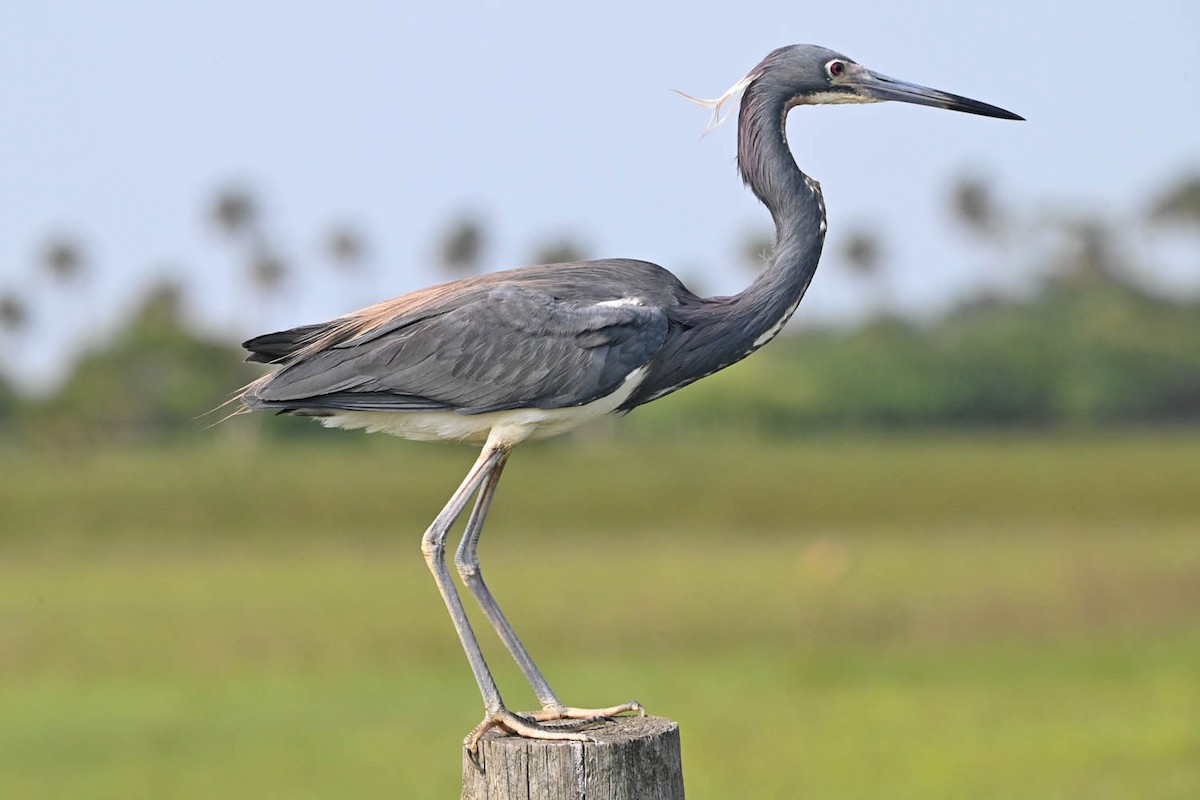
880,87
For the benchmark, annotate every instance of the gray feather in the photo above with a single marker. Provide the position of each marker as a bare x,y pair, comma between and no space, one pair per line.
498,347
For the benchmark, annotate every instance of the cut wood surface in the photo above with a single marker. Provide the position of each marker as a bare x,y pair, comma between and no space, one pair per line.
632,758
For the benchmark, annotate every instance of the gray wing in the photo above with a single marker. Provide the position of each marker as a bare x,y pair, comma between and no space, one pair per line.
501,347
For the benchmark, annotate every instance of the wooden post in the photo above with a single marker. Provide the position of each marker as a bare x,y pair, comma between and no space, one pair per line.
633,758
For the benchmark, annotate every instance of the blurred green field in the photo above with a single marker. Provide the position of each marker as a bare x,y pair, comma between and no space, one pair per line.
910,617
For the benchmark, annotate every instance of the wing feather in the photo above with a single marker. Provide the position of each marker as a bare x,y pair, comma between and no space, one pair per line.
501,347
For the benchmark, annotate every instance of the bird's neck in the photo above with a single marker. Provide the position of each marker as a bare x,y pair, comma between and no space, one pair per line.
720,331
795,203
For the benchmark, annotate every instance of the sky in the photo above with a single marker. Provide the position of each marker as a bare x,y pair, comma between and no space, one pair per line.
122,120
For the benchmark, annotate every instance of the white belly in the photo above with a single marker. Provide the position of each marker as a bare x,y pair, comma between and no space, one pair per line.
515,425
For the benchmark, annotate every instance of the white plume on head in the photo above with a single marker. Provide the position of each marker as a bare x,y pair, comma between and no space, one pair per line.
716,104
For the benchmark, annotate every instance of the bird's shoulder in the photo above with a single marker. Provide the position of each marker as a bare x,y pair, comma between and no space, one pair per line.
546,299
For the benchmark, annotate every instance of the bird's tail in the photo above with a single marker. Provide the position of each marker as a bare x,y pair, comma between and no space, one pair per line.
281,346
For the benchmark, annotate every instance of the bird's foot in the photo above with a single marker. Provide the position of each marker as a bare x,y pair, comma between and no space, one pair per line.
529,724
518,725
552,713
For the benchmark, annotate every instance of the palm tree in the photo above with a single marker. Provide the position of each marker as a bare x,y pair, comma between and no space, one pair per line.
973,203
1179,204
14,314
862,257
14,318
346,247
862,252
62,258
756,248
235,212
1014,237
1093,257
559,250
268,272
461,248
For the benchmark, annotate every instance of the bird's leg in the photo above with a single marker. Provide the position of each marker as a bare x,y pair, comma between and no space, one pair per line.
466,559
433,546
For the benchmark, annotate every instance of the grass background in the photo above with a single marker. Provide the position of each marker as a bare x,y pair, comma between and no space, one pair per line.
850,617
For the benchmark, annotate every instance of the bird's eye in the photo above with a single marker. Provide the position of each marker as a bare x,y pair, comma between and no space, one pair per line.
835,68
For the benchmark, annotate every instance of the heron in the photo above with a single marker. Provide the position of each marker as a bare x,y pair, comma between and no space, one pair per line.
530,353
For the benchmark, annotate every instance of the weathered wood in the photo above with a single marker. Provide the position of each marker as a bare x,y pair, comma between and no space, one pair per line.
633,758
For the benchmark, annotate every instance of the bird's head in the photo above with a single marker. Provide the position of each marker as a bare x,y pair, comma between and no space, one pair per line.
806,74
815,75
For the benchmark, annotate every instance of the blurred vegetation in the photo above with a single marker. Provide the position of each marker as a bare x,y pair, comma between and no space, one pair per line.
146,384
1084,346
1073,357
929,617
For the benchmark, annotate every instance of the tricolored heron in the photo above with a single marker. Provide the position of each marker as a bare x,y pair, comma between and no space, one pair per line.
534,352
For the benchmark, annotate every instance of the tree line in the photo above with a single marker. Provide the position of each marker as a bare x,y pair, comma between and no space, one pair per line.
1088,346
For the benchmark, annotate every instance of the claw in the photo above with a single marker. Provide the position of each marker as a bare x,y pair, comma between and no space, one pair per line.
473,756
